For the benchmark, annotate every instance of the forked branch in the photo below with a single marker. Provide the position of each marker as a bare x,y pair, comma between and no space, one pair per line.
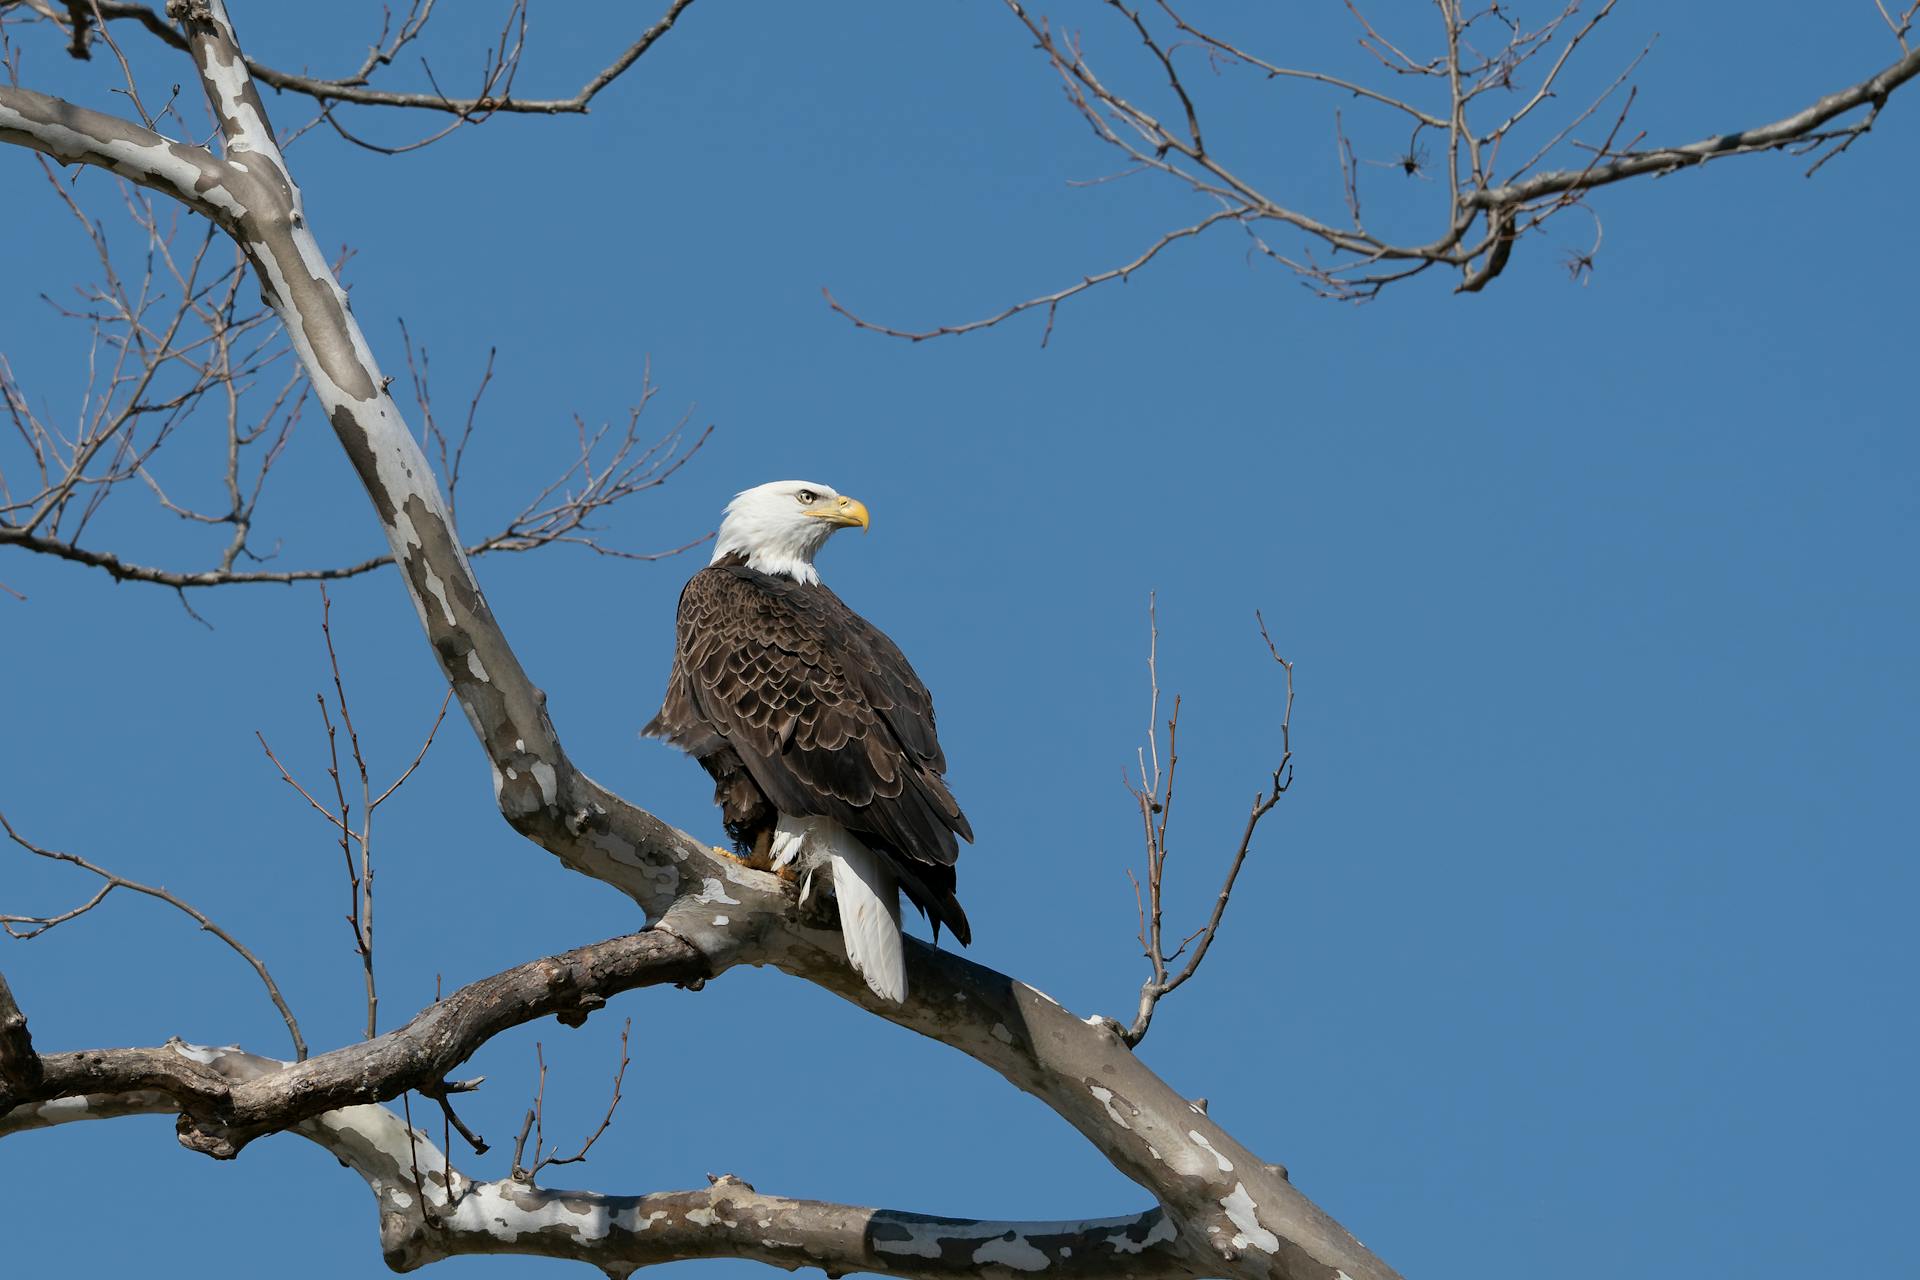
1153,793
535,1122
172,344
355,839
500,62
25,928
1481,85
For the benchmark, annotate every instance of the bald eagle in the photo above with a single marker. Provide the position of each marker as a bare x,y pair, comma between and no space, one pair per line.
817,733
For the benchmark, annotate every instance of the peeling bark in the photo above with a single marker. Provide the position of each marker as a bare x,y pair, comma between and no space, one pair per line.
219,1118
428,1210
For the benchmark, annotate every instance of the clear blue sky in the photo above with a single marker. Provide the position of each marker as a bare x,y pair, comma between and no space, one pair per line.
1585,938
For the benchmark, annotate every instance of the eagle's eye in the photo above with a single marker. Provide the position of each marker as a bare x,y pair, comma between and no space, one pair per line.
806,497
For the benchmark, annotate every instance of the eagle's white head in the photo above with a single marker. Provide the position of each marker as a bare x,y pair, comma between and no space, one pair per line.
779,527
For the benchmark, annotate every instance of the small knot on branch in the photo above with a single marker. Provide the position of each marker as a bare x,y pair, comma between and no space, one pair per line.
576,1014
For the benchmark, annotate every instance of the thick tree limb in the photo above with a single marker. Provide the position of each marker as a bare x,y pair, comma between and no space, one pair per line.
430,1211
75,135
219,1119
1233,1208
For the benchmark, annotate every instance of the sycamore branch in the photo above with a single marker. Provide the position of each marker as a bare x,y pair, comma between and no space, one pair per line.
25,928
1479,100
219,1117
354,88
429,1210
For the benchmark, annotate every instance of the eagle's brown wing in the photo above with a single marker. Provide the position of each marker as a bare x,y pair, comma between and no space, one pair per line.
826,714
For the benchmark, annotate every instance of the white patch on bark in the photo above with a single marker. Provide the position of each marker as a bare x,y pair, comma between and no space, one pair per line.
205,1055
712,891
721,922
1015,1253
381,1151
474,665
1200,1140
60,1110
549,782
1162,1233
230,79
438,590
700,1217
1240,1212
400,466
1106,1100
630,1219
129,159
484,1210
915,1245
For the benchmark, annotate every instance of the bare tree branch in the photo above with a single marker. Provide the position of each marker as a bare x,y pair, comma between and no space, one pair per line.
1465,94
430,1211
171,342
340,815
1801,128
220,1118
28,927
535,1121
496,96
1153,794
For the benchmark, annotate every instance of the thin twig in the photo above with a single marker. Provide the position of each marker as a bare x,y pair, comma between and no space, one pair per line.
534,1121
38,925
1154,796
354,89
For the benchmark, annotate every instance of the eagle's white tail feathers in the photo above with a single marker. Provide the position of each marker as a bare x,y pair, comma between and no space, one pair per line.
865,888
870,916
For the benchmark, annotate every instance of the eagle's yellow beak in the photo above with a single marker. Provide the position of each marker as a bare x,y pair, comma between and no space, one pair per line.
843,511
